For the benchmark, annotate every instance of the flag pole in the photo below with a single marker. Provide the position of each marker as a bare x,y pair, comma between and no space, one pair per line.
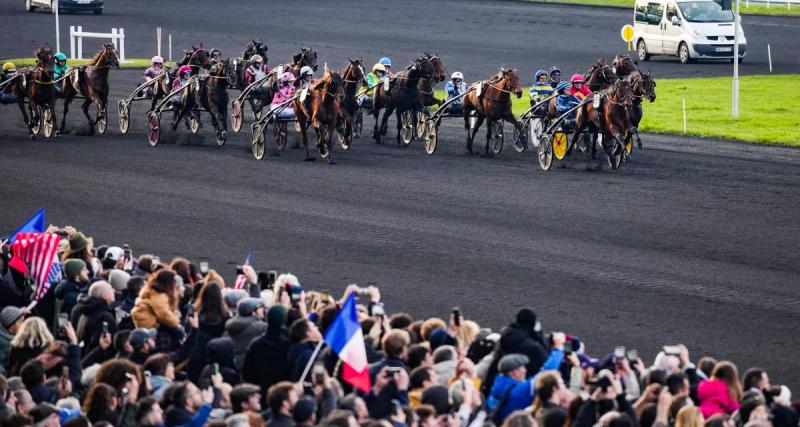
311,361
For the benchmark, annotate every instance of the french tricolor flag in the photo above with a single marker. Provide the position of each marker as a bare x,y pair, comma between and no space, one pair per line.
345,338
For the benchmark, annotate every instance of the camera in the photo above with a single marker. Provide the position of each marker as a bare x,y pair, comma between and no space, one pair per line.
672,350
619,352
294,293
363,292
204,268
126,249
63,319
105,328
392,371
456,316
377,310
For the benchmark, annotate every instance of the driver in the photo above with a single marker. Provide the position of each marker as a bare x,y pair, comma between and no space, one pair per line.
283,94
387,63
376,76
257,71
564,101
215,56
306,77
541,88
7,96
578,89
184,74
455,88
59,69
555,76
157,64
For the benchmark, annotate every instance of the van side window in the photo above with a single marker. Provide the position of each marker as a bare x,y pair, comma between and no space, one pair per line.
641,12
671,11
654,13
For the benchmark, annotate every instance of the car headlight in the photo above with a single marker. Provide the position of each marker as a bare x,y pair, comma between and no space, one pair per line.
697,33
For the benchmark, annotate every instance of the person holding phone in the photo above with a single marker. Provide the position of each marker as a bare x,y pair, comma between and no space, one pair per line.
90,313
75,283
11,319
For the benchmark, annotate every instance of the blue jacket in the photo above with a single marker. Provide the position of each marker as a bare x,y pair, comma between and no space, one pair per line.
453,91
523,391
565,102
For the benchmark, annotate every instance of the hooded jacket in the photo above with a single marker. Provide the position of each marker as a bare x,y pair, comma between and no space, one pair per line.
243,330
221,352
153,309
298,356
265,361
5,347
68,291
89,314
523,391
518,339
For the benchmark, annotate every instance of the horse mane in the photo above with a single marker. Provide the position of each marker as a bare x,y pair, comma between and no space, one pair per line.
96,58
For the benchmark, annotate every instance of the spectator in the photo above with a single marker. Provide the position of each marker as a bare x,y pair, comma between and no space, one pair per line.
101,404
80,247
421,379
265,363
419,355
32,339
246,397
304,337
689,416
162,373
94,315
118,279
550,392
395,349
142,342
45,415
522,337
149,413
24,401
75,283
212,313
519,419
755,379
220,352
11,319
157,305
722,392
282,398
144,266
247,326
356,405
132,291
304,413
188,405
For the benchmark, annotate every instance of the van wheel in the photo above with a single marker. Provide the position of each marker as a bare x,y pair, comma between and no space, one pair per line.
641,50
683,54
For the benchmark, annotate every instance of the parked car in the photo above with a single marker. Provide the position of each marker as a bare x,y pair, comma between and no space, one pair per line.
693,29
66,6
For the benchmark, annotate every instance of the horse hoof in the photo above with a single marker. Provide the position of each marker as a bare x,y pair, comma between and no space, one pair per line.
310,159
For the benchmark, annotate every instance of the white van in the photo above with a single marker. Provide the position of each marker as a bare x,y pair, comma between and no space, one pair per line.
690,29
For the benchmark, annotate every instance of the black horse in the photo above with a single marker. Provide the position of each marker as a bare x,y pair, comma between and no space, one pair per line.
403,95
239,65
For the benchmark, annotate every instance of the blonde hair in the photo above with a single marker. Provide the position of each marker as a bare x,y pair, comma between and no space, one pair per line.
33,334
467,332
689,416
431,325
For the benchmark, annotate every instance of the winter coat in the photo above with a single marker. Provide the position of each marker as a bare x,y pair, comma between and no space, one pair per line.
297,358
253,73
88,316
523,391
581,93
715,399
207,331
19,355
5,348
265,361
159,384
153,309
516,339
175,416
221,352
243,330
282,95
280,420
68,291
565,102
540,91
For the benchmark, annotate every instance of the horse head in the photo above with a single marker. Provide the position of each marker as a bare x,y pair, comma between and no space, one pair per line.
355,71
438,67
306,57
44,57
425,68
648,87
623,92
510,82
623,65
109,57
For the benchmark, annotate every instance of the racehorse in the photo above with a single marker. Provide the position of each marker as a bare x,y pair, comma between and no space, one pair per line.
321,108
211,94
306,57
352,78
90,81
426,85
600,76
611,119
240,65
494,103
38,87
623,65
403,95
643,86
196,58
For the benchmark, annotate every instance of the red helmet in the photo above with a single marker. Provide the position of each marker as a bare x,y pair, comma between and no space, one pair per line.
184,69
576,78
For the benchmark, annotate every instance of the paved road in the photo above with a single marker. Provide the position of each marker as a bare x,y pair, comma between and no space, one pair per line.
476,37
697,241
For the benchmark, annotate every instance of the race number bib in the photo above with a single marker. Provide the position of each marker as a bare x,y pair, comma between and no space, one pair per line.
303,94
479,89
279,70
385,83
596,101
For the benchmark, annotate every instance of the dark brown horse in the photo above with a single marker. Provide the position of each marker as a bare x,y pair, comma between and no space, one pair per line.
493,104
321,108
600,76
91,82
211,94
624,65
402,95
197,58
38,88
306,57
352,78
426,86
611,119
643,87
239,65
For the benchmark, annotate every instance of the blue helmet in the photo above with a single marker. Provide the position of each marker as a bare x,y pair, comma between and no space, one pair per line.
60,57
385,61
539,74
562,86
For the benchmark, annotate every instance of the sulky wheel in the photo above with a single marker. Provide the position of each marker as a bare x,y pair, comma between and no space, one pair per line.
124,116
48,125
237,115
535,131
153,128
422,128
431,137
560,144
281,135
37,125
520,138
258,144
545,152
496,137
407,127
102,120
628,143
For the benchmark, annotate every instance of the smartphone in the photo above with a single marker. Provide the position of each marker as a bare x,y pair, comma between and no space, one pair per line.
391,371
319,373
156,260
105,328
255,290
398,408
126,249
63,319
65,372
633,355
619,352
214,368
378,310
272,275
203,268
672,350
568,348
457,316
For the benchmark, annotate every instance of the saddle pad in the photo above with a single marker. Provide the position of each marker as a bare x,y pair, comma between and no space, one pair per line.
385,83
479,89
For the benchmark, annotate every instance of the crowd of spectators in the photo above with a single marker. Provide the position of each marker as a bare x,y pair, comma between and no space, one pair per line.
125,341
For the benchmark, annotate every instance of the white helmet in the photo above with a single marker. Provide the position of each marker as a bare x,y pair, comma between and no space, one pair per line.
157,60
256,58
306,71
457,75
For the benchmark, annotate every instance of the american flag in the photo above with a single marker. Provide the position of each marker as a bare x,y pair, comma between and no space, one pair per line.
241,279
38,250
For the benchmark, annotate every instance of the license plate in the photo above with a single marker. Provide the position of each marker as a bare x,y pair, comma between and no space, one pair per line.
724,49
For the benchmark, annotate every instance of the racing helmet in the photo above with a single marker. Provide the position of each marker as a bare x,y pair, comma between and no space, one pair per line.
9,66
457,75
157,60
287,77
386,61
562,86
213,51
306,71
256,58
576,78
60,57
554,70
539,74
184,69
378,67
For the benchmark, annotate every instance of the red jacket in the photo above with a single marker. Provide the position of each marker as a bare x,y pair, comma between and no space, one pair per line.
715,399
581,94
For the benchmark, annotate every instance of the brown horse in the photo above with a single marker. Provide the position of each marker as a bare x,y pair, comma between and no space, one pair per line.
624,65
38,88
600,76
211,94
352,78
426,86
91,82
197,58
321,108
643,86
402,95
611,119
493,104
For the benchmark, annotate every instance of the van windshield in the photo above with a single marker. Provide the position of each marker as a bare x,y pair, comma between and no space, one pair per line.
704,11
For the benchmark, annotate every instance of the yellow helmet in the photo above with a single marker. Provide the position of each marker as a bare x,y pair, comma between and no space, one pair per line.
9,66
378,67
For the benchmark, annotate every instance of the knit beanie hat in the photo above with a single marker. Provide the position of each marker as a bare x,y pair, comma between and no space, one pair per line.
9,315
119,279
276,319
78,242
73,267
526,317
